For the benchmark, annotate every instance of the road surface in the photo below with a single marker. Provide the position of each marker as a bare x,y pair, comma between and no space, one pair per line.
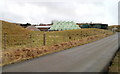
92,57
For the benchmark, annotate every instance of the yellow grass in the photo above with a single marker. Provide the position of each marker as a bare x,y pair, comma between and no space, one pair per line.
29,44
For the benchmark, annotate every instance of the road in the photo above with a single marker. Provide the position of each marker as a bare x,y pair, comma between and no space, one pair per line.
92,57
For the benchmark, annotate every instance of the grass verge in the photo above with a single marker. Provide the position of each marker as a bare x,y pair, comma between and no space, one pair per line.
115,65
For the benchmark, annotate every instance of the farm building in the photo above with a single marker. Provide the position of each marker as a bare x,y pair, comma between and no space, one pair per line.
93,25
64,25
43,28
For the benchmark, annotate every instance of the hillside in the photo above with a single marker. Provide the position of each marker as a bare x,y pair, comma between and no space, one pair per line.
13,34
12,28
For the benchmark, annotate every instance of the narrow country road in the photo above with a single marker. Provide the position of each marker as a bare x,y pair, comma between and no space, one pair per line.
92,57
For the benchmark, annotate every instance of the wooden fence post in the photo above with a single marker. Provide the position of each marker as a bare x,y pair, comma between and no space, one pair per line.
44,39
30,40
54,38
81,35
4,40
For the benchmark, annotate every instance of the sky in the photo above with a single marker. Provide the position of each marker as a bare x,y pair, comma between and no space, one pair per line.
45,11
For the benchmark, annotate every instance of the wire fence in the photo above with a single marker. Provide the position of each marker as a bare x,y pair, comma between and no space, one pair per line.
44,39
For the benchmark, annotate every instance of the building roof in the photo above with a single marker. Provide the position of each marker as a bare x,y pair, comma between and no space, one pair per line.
42,26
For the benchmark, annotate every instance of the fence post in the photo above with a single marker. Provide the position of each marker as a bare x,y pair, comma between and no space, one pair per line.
81,34
54,38
5,40
30,40
44,39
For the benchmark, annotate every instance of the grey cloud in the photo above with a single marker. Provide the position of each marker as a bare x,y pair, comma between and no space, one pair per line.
10,17
61,10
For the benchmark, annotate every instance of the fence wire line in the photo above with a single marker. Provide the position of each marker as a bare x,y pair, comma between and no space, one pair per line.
45,39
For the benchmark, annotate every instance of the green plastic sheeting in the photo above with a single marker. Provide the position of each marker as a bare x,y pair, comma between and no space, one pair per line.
63,25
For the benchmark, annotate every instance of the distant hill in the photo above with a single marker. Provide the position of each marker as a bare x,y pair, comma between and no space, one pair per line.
113,26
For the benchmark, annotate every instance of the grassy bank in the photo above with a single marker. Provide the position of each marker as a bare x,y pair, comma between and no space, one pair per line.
115,66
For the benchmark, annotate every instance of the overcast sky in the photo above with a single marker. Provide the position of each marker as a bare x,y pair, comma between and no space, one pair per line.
44,11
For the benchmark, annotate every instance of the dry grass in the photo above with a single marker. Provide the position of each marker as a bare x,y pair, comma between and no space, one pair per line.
29,44
115,66
29,53
15,34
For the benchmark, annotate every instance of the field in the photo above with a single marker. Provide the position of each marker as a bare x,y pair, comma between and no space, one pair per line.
36,39
27,44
